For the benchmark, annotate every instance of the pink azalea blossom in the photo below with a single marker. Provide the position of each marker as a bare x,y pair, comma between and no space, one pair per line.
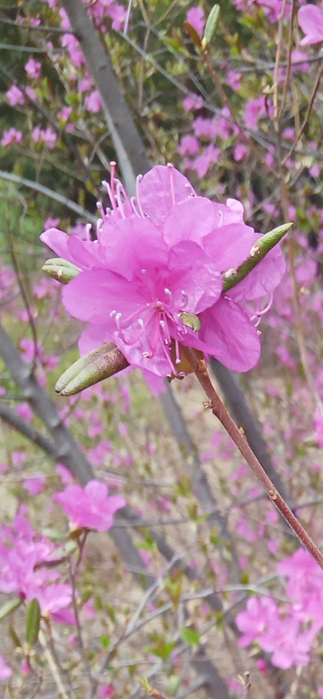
33,68
31,93
106,691
93,102
192,102
10,137
240,152
196,18
189,145
15,96
34,485
5,670
157,257
310,18
288,646
91,507
255,619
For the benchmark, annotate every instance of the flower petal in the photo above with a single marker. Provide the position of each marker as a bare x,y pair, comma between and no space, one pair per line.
131,245
155,191
310,20
230,335
57,241
193,272
93,295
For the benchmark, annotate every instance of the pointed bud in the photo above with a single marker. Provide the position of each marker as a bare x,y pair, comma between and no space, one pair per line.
60,269
257,253
100,364
191,321
211,26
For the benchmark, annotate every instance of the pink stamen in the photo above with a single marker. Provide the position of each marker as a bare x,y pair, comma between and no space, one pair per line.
138,180
262,312
133,204
172,184
120,191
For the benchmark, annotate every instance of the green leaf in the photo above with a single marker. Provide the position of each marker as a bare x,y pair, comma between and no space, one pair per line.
32,622
260,249
163,651
189,636
105,641
9,607
211,26
193,34
14,637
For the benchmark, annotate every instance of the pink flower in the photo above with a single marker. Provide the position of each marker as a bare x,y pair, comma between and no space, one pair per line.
31,93
91,507
256,619
5,670
106,691
310,18
93,102
189,146
157,258
15,96
48,136
11,136
70,42
53,601
240,152
33,68
196,18
289,647
192,102
34,485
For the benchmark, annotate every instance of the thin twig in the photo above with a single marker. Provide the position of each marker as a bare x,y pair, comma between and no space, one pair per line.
240,441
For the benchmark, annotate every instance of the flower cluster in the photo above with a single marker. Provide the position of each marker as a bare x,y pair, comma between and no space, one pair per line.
288,633
26,570
156,263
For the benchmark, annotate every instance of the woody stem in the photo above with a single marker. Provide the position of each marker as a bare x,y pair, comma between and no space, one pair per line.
218,409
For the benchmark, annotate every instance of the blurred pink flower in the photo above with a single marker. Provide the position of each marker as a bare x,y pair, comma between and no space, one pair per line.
15,96
91,507
93,102
196,18
189,145
33,68
47,136
310,18
192,102
34,485
11,136
105,691
240,152
5,670
256,619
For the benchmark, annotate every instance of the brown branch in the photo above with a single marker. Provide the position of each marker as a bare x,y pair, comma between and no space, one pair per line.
240,441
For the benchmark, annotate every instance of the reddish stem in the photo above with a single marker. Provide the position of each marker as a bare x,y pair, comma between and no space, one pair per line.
218,409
